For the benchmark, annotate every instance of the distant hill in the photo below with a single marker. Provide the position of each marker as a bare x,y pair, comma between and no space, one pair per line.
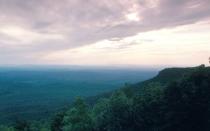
168,75
164,77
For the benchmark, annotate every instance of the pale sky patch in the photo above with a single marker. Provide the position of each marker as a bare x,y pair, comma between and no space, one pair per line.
26,36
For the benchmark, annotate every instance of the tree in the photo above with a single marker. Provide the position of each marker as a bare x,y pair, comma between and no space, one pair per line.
148,108
22,126
120,112
209,60
40,126
6,128
99,115
78,117
188,102
113,114
56,124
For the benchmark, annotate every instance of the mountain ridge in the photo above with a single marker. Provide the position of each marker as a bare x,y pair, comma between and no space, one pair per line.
164,77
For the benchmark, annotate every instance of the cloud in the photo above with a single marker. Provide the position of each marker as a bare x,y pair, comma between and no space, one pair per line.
26,36
41,26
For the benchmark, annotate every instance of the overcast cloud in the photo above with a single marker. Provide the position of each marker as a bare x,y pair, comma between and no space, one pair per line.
32,28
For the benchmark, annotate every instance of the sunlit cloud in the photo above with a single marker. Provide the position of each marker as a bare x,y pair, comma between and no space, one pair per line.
133,17
168,46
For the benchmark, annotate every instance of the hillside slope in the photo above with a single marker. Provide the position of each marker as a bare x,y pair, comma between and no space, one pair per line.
177,99
164,77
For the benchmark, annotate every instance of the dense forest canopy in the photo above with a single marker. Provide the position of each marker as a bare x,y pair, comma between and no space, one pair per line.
37,93
179,104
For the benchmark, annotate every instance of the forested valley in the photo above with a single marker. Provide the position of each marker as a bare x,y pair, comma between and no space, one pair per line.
177,99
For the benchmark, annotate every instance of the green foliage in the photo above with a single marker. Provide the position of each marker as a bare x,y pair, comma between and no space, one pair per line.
128,91
22,126
77,118
5,128
56,124
148,108
39,126
188,102
113,114
182,105
99,114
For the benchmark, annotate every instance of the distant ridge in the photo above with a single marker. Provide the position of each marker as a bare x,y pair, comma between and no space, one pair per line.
164,77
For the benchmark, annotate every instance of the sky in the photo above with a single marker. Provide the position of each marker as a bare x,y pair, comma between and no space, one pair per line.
105,32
